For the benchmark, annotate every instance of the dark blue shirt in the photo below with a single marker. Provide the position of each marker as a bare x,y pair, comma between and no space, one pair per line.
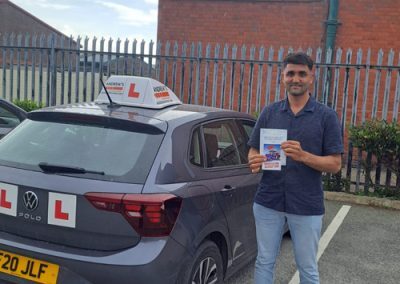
297,188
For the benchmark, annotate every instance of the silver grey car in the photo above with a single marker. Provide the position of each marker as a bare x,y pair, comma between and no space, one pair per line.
135,187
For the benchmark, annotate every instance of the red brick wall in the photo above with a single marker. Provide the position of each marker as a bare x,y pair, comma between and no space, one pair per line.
239,22
363,24
369,24
258,23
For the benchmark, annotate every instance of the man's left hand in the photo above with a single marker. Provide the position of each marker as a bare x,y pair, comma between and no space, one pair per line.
293,150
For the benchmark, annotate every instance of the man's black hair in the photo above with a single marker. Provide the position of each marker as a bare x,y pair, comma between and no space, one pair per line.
298,58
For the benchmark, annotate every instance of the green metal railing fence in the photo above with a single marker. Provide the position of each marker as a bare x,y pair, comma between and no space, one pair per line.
359,85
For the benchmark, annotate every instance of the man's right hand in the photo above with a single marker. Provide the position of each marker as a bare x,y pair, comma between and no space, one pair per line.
255,160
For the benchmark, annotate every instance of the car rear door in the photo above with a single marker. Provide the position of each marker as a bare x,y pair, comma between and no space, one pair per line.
10,116
232,182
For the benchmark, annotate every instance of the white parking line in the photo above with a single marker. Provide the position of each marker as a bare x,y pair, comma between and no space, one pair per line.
326,237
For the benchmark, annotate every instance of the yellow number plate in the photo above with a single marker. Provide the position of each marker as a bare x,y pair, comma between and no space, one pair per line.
28,268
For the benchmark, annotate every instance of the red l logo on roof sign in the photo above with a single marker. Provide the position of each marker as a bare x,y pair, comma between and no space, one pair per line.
132,93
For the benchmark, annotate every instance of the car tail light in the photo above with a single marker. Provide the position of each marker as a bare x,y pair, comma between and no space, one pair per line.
151,215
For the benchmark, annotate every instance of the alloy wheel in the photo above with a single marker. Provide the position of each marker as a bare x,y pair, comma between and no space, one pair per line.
206,272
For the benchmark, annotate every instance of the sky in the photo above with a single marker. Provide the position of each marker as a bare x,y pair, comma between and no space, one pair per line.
124,19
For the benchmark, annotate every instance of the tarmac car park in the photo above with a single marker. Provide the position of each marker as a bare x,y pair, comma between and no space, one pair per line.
132,188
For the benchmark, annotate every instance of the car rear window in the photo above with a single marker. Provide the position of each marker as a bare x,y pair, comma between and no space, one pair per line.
124,154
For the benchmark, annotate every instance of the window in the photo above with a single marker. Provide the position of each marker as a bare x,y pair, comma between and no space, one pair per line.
225,143
221,149
123,155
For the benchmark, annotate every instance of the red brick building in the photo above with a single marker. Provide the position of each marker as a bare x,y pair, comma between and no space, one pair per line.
291,23
302,23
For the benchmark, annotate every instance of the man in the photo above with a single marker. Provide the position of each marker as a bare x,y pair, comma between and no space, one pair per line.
294,194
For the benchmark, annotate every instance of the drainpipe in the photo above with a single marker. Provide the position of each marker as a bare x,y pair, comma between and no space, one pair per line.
331,24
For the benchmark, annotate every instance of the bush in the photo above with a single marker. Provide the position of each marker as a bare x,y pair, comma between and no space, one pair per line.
28,105
381,139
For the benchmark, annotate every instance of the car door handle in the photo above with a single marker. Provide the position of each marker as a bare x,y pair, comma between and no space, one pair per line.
228,188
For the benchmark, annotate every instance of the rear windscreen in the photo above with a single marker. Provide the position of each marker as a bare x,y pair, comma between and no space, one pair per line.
124,155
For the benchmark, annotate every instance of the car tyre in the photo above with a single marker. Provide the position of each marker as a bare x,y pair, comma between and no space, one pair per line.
206,266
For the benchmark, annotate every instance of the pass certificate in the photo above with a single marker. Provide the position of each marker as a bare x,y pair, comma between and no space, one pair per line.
270,146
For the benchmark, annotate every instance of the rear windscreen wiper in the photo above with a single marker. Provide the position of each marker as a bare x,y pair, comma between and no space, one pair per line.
52,168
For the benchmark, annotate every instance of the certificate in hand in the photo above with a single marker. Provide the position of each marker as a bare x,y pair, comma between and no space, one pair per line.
270,146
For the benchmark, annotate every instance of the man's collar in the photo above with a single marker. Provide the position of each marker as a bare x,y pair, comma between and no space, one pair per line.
310,105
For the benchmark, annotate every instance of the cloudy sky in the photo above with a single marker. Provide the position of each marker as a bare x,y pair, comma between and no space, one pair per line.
101,18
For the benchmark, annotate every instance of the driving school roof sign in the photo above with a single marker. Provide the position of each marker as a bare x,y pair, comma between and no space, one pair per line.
138,91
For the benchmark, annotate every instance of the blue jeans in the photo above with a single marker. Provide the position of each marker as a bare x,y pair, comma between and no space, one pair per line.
305,232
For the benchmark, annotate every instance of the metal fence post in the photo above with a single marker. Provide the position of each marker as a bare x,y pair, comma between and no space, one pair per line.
53,68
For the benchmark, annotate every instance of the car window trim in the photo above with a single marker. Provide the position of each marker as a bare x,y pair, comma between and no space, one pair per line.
241,127
17,111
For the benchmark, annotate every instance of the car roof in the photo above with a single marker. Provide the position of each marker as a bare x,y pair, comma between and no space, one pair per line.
143,99
175,114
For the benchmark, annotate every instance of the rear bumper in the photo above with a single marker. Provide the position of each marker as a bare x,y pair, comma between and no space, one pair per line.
152,261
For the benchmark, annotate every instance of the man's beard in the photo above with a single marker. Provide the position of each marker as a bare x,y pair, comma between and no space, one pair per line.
302,89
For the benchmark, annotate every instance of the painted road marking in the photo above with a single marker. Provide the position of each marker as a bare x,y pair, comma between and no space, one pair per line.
327,237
